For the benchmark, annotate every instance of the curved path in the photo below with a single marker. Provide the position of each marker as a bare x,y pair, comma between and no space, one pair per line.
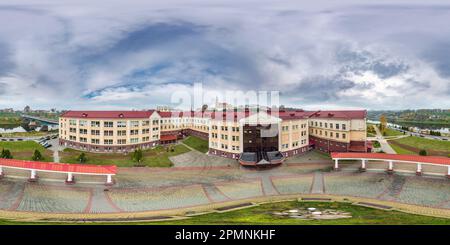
144,192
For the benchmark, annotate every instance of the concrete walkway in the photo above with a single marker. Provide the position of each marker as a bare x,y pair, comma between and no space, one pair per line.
383,142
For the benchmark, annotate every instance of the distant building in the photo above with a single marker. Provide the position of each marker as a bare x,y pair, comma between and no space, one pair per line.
26,109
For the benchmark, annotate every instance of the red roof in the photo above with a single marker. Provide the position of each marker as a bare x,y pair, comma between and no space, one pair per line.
108,114
168,137
399,157
60,167
343,114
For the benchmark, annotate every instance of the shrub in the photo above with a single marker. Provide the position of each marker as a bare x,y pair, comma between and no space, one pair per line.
37,156
82,158
6,154
423,152
137,156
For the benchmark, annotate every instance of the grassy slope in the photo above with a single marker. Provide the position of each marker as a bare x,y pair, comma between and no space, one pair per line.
197,143
24,150
401,150
392,132
263,215
157,157
427,144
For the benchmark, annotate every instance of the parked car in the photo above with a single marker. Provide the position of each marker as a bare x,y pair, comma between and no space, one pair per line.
48,145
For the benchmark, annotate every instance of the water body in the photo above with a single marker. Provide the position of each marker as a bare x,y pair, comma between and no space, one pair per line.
20,128
434,127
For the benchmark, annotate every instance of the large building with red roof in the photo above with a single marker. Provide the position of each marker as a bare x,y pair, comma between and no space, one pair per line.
264,136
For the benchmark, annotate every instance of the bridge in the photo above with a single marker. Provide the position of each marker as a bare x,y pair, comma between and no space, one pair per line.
45,120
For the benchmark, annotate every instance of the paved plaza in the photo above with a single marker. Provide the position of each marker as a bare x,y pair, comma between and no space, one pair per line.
155,189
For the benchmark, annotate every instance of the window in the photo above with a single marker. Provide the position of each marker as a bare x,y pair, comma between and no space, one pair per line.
134,123
326,125
83,123
73,122
73,138
83,131
337,126
337,135
108,124
146,131
331,125
331,134
95,132
224,136
121,124
343,136
134,140
95,124
134,132
145,138
343,126
82,139
121,132
108,142
235,138
121,141
108,133
155,122
72,130
320,124
95,141
145,123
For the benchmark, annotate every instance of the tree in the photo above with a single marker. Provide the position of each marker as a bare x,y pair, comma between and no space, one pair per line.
37,156
82,158
383,123
138,156
6,154
423,152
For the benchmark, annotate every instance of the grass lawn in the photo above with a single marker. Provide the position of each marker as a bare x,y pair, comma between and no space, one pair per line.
156,157
197,143
439,146
24,150
262,215
27,134
391,132
401,150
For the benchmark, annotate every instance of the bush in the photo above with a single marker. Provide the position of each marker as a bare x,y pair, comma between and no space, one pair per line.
423,152
82,158
137,156
6,154
37,156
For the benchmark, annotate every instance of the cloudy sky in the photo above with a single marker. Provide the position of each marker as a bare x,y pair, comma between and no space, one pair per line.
108,54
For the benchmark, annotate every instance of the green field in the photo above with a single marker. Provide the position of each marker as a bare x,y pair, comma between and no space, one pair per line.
24,150
27,134
197,143
262,215
433,147
391,132
401,150
156,157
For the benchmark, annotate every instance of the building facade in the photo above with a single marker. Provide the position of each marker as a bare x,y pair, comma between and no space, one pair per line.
229,133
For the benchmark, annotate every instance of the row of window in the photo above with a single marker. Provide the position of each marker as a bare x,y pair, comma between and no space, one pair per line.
225,128
111,132
110,124
223,146
330,125
294,144
110,141
329,134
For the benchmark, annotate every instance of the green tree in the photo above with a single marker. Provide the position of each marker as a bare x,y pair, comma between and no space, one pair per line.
383,123
82,158
423,152
6,154
138,156
37,156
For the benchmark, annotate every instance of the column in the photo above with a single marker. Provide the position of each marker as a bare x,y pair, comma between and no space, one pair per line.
1,171
363,165
109,179
33,176
69,179
336,164
391,167
448,171
419,169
